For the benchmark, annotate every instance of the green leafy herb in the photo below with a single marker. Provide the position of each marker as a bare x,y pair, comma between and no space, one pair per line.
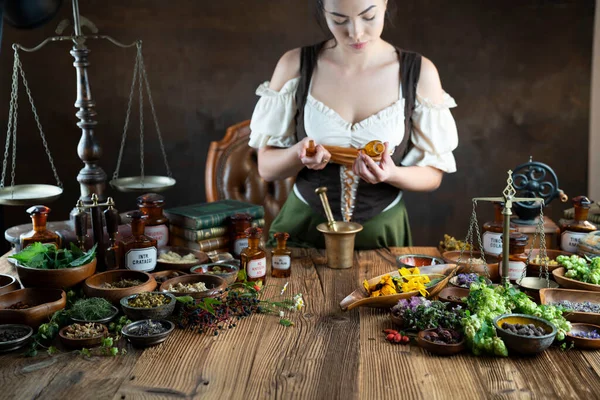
47,256
91,309
286,322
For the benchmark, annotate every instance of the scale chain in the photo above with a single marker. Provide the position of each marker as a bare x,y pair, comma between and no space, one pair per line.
11,117
141,86
127,116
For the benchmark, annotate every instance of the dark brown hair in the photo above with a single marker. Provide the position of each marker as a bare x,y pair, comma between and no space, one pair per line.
320,15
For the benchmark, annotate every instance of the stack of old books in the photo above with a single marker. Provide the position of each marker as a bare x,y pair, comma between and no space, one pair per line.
205,226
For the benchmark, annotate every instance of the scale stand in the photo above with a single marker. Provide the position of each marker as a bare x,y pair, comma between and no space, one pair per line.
508,197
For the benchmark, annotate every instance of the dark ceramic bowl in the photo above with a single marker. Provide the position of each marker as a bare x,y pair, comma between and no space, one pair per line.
417,260
8,283
438,348
17,343
147,341
55,278
227,271
583,343
525,344
200,256
43,303
215,284
83,342
105,320
138,313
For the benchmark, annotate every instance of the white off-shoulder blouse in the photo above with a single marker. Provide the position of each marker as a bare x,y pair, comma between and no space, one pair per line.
434,134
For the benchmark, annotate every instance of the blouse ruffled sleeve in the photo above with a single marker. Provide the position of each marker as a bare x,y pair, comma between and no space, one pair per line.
434,135
272,122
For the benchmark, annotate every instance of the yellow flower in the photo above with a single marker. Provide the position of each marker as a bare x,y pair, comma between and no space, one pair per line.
388,290
366,286
404,271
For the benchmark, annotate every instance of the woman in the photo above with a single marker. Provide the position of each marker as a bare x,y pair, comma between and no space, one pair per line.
346,92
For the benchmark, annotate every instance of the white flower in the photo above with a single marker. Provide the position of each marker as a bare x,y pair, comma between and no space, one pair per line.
281,314
284,287
298,301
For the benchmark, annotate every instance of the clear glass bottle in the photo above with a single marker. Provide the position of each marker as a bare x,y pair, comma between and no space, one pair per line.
139,250
517,259
238,240
492,231
253,259
281,257
573,230
39,233
156,224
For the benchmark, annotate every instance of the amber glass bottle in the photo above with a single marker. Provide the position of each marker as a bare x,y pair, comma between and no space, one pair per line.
39,233
573,230
492,231
517,259
281,257
139,250
253,259
237,233
156,224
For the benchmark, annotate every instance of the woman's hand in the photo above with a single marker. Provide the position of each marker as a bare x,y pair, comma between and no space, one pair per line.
370,171
316,162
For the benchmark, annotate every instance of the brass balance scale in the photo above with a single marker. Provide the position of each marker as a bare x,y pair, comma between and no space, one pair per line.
509,198
92,178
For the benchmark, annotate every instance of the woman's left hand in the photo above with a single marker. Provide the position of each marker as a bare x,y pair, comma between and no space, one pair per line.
370,171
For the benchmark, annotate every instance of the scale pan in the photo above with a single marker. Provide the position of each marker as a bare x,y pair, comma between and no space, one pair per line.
24,195
149,184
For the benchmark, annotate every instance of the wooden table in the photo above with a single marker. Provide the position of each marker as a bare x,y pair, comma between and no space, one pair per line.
328,354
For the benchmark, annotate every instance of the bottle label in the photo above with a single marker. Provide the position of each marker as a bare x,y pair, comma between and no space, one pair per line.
569,240
256,268
141,259
281,262
239,245
492,243
160,233
515,269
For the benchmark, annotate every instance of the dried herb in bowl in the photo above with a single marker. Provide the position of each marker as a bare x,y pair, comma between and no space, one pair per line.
91,309
147,328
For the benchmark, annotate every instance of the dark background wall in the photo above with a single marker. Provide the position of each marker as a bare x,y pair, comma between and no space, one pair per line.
519,70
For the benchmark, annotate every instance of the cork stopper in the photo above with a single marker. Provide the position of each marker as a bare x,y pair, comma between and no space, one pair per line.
253,232
151,200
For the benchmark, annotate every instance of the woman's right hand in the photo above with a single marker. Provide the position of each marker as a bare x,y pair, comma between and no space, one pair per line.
320,158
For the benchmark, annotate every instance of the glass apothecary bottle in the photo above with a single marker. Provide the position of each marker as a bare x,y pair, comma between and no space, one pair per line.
253,259
573,230
238,238
156,224
281,257
39,233
492,231
517,259
139,250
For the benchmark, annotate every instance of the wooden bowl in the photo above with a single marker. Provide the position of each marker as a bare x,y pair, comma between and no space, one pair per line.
8,283
533,269
201,258
229,272
147,341
16,343
55,278
583,343
159,312
214,283
563,281
360,298
94,285
162,276
525,344
448,293
83,342
45,302
451,257
438,348
417,260
550,296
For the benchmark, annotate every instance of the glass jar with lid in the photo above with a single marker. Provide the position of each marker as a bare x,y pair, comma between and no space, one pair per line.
39,233
156,224
573,230
492,231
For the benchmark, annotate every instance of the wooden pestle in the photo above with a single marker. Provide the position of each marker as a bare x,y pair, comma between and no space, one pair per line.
322,192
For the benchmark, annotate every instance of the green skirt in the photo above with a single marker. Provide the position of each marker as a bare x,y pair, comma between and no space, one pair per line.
388,229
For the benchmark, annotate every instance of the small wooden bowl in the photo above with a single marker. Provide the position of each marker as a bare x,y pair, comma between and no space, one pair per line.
45,302
8,283
229,272
533,269
438,348
550,296
583,343
83,342
417,260
94,285
214,283
453,291
165,275
525,344
201,258
452,257
55,278
563,281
